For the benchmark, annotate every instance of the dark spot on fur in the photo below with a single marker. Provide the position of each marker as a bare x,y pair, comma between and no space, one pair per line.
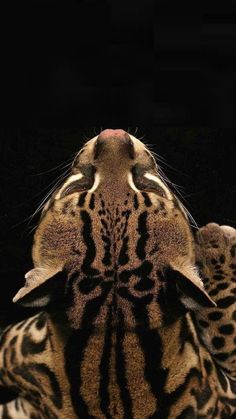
218,277
208,366
147,200
145,284
81,200
88,284
225,302
215,315
144,235
213,292
92,202
203,323
222,258
226,329
222,286
221,356
123,256
136,204
218,342
233,250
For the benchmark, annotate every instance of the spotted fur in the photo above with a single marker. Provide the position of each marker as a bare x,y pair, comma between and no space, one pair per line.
129,327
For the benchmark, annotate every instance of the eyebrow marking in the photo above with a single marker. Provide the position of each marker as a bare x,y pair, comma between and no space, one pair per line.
69,180
131,183
95,184
160,183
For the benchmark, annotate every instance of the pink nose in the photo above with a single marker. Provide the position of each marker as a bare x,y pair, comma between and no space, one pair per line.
116,140
113,133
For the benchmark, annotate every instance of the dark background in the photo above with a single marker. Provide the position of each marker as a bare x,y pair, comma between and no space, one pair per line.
160,71
85,63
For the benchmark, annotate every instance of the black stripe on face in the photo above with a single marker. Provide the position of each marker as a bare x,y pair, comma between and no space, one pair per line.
94,305
81,199
121,370
139,309
144,236
107,249
90,245
74,354
104,370
92,202
136,204
151,345
124,256
147,200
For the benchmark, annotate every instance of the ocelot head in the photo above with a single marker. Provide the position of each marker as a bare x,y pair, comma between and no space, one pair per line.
116,241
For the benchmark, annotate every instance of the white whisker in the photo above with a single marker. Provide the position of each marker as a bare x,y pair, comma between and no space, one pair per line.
178,190
56,183
54,168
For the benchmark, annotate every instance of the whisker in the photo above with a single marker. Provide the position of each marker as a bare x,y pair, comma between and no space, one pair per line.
55,184
178,190
95,131
54,168
132,133
50,192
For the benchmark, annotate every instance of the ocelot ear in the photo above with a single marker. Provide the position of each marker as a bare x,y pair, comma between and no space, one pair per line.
190,287
41,287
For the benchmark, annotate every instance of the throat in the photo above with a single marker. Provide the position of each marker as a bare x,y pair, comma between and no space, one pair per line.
112,372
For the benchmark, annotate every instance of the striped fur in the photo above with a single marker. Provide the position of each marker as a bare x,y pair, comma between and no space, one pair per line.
121,333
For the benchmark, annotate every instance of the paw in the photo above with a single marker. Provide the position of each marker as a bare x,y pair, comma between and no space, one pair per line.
229,233
214,236
217,244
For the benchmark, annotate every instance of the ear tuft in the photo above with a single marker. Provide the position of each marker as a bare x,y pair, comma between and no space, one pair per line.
189,283
40,287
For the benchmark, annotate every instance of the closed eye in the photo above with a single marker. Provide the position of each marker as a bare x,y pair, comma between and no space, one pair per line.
145,181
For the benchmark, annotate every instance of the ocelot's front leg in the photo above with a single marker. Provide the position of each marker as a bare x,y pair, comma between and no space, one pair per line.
216,258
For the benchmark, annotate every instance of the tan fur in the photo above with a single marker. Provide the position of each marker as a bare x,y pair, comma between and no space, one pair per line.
125,338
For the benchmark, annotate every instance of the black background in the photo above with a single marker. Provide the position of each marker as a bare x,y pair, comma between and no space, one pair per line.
86,63
160,71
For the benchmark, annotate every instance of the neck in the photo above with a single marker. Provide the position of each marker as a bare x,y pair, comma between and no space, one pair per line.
132,368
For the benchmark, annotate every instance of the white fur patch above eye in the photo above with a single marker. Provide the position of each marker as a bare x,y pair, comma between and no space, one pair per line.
71,179
160,183
96,183
131,183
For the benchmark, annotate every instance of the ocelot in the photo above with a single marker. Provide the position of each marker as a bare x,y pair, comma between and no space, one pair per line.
137,314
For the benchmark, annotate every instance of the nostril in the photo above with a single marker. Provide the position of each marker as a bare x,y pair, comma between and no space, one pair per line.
98,147
130,146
